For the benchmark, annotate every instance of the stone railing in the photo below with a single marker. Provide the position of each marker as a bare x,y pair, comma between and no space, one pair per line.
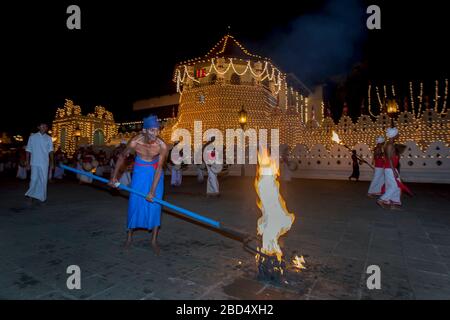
431,165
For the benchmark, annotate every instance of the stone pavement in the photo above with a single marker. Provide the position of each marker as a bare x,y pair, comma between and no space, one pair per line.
337,228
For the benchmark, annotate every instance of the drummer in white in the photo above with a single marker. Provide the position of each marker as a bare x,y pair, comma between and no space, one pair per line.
40,159
214,167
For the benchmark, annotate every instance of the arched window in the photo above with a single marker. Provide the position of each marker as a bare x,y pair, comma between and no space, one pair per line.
235,79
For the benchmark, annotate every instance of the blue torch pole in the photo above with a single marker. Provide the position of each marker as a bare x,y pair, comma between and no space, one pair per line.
182,211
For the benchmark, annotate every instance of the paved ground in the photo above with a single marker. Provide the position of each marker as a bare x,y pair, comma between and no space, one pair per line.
337,229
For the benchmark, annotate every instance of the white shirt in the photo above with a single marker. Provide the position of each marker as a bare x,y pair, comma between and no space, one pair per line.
39,145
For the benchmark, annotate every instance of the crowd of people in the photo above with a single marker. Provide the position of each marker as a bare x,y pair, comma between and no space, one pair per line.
102,163
9,161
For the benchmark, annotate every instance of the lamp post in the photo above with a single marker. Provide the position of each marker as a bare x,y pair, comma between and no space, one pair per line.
242,117
392,110
242,123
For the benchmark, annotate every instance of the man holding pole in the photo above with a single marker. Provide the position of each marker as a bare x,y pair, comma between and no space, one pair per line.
148,177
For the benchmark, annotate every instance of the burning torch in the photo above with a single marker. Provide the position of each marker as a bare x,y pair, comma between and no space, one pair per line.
336,139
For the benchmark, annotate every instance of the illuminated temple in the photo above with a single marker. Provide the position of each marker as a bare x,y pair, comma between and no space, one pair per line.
215,87
72,129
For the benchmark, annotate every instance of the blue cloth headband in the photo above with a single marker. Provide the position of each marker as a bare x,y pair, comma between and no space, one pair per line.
151,122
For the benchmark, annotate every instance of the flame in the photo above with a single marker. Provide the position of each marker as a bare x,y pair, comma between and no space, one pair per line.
299,262
276,220
335,138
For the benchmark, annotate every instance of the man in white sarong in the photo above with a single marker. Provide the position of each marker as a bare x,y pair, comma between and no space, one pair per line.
175,161
391,197
212,185
213,168
200,172
376,185
177,175
40,159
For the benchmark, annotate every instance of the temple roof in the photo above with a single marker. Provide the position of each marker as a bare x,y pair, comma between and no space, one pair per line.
227,47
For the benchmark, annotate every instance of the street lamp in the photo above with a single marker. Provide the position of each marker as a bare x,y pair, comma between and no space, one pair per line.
243,122
242,117
392,110
77,132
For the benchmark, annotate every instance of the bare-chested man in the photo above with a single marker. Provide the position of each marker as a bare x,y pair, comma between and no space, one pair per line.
148,177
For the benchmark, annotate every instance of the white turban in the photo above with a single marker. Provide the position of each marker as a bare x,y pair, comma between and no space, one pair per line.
391,132
380,139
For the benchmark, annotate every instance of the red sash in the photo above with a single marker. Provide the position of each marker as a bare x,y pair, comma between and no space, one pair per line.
154,165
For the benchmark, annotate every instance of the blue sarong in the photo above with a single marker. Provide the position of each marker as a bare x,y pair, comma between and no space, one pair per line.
142,213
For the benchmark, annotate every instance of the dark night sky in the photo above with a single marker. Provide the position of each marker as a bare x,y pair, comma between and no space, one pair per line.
126,50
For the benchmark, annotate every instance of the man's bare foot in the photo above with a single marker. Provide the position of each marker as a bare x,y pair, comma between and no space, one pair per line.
155,247
127,243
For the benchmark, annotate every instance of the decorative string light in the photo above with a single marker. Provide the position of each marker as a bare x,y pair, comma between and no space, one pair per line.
306,110
130,123
273,75
379,99
436,96
444,105
223,44
385,92
302,110
411,93
393,91
419,111
322,107
286,95
369,99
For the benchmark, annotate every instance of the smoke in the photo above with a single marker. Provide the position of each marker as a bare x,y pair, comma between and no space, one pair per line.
321,44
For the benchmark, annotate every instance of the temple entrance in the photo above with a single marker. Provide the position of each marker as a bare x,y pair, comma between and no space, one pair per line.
99,138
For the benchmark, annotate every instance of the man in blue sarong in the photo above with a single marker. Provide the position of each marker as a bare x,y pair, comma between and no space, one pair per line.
148,177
